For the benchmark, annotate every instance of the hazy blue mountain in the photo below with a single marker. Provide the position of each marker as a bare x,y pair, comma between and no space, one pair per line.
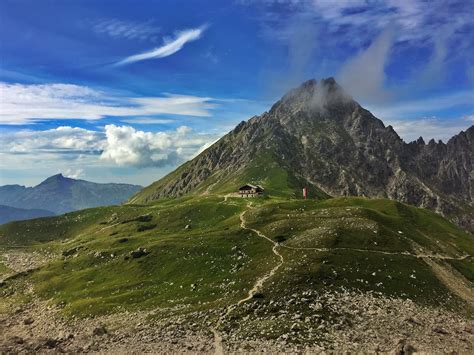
60,194
8,214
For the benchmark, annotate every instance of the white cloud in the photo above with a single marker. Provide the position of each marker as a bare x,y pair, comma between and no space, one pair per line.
60,139
147,121
414,19
20,104
170,46
425,106
440,27
364,75
184,104
74,173
127,146
116,28
428,128
118,146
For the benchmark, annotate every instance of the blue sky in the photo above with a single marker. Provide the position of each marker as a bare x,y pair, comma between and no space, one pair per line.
127,90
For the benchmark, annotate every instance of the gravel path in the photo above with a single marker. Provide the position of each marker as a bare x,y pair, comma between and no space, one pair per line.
218,343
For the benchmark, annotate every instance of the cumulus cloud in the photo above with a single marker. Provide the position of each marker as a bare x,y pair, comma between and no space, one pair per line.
62,139
117,145
170,46
127,146
364,75
22,103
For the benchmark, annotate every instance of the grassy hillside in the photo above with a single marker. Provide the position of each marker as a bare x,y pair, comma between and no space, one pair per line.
262,170
198,256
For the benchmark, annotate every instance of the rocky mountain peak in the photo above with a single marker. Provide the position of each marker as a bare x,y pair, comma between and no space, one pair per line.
318,136
58,178
314,101
316,95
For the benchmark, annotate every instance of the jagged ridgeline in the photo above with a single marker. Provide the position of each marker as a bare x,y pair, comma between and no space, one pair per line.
317,136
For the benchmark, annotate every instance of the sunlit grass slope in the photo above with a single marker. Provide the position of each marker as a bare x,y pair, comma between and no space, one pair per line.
196,256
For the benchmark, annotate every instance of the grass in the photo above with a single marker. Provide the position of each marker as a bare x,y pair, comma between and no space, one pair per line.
213,262
263,170
465,267
4,269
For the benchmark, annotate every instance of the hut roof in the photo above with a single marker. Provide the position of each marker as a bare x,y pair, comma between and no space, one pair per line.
250,186
247,187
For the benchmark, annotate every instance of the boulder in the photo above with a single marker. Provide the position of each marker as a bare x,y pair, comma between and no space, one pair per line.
99,331
28,321
139,253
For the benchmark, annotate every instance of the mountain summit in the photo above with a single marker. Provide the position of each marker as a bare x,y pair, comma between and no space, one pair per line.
318,136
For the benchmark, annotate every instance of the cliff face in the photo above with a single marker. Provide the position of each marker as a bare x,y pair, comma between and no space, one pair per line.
318,136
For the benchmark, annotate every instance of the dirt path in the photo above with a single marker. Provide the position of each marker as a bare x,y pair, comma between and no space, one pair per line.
226,197
218,347
452,280
209,188
416,255
104,228
218,344
445,273
272,272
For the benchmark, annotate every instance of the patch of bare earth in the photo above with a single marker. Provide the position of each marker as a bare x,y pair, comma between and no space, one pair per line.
23,260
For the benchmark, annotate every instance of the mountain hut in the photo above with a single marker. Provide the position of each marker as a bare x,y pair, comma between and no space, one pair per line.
251,190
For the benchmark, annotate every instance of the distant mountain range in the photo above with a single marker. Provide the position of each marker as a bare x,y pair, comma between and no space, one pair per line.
58,194
318,137
8,214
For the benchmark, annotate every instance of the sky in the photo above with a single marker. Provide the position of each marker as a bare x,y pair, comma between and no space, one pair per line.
127,90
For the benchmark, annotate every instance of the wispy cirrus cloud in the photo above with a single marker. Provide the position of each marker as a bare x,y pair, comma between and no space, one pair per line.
423,106
364,74
342,31
23,104
145,120
364,19
130,30
170,46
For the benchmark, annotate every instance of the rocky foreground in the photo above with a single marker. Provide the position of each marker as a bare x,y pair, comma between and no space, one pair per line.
367,322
